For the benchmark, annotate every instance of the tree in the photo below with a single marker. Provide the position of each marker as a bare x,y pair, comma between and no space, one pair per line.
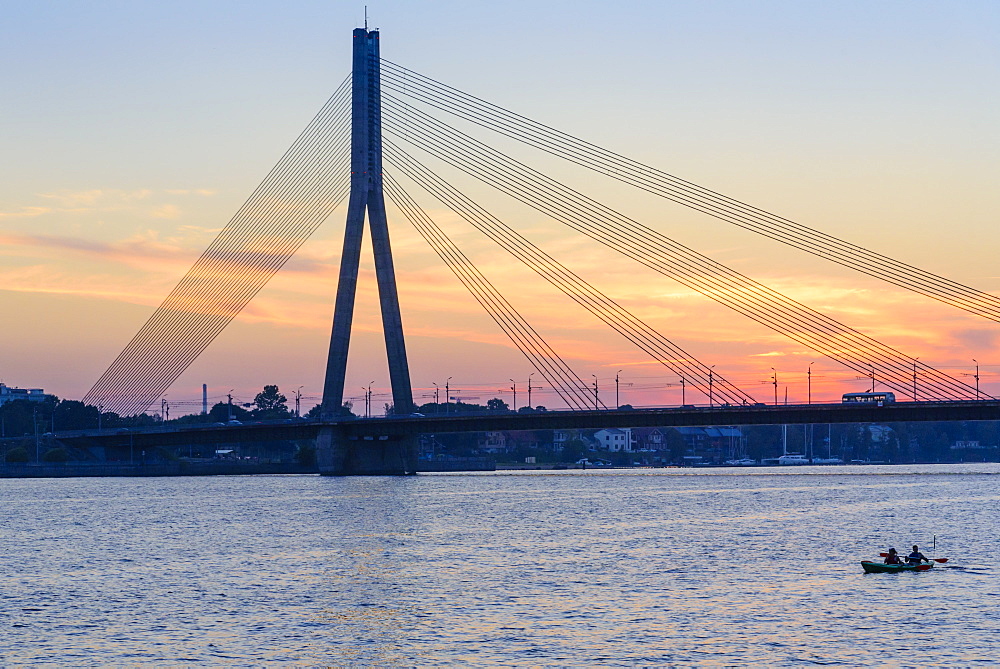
674,444
56,455
316,413
74,415
220,412
19,454
496,404
573,450
270,403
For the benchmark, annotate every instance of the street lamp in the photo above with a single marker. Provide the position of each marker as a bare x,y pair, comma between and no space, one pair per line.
513,388
711,383
618,402
775,381
873,376
977,377
437,397
809,382
529,389
447,393
596,402
368,401
915,379
298,399
683,400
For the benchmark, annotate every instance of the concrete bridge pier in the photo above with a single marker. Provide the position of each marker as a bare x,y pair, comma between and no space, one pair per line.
340,455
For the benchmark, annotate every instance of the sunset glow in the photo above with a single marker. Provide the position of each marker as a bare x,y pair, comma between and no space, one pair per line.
94,236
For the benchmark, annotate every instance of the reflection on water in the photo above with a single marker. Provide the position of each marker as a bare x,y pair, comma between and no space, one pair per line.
570,567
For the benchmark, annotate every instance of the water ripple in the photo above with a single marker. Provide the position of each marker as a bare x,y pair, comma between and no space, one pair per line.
541,568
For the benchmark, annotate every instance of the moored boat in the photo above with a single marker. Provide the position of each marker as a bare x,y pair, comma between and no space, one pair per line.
881,568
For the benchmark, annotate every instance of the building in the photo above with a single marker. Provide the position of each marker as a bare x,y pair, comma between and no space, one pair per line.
614,439
8,394
648,439
492,442
713,443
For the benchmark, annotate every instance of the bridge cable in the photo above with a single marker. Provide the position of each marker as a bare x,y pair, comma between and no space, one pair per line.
621,168
607,310
188,313
430,130
542,357
520,181
222,290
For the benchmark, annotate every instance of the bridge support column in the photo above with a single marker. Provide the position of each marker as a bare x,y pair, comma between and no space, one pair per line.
366,196
340,455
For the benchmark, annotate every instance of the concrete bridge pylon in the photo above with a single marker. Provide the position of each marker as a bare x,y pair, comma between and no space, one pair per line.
336,455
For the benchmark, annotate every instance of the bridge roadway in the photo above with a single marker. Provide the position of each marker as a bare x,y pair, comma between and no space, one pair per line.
405,426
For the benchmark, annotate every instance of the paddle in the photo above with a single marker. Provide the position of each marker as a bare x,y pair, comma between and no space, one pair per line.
938,560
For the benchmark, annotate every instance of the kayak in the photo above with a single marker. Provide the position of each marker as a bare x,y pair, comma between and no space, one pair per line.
880,568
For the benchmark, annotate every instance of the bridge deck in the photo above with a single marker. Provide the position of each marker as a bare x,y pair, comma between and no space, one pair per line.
404,426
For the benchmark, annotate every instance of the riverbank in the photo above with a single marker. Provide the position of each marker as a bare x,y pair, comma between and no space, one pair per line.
207,468
181,468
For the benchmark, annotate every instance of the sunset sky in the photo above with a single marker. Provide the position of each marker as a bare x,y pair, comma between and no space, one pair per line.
132,131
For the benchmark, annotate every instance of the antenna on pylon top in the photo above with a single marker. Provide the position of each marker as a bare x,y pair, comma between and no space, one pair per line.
366,17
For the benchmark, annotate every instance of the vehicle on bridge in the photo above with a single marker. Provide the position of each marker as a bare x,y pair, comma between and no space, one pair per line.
869,398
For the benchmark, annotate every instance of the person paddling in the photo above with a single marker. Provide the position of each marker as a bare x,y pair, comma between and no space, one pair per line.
892,557
916,557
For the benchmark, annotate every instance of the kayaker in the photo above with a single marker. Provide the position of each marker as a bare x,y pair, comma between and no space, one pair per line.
916,557
893,557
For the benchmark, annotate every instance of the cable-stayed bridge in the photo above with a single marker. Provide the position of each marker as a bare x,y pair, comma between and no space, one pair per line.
380,134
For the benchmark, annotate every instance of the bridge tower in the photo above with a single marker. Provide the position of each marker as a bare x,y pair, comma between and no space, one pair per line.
335,455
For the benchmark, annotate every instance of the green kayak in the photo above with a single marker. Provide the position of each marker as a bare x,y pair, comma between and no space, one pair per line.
880,568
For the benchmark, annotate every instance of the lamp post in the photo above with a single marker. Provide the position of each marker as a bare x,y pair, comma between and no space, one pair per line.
775,381
298,400
711,383
809,383
976,377
513,388
873,376
229,398
529,389
447,393
368,401
618,401
596,402
437,397
683,398
915,379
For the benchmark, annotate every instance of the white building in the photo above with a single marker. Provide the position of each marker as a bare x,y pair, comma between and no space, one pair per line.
8,394
614,439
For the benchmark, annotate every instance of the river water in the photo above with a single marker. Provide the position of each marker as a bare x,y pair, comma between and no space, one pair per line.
618,567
